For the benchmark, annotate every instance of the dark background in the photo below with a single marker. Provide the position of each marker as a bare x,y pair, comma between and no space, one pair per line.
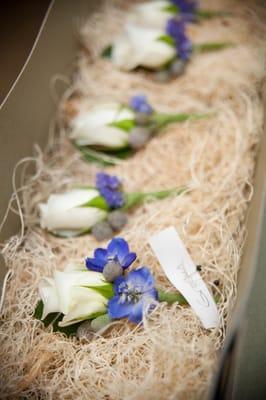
19,25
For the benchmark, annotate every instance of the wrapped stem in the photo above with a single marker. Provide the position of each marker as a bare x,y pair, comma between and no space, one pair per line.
99,157
100,322
208,14
171,298
161,120
211,46
136,198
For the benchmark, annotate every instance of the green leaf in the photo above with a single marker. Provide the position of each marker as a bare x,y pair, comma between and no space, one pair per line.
38,310
51,318
211,46
172,8
106,158
126,124
69,330
97,202
106,290
136,198
107,52
98,157
161,120
207,14
54,319
167,39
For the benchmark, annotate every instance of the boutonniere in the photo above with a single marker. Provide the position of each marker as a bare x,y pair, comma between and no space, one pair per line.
156,13
99,292
110,132
162,52
101,210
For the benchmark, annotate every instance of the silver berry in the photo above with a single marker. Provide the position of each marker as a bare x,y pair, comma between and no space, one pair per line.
163,76
117,219
112,270
178,67
139,136
102,230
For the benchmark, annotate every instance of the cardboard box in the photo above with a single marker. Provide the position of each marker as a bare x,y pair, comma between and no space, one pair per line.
24,120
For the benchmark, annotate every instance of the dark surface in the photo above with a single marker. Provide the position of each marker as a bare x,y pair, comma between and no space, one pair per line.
19,25
251,372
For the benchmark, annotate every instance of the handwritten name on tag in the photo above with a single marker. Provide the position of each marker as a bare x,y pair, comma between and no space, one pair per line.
182,273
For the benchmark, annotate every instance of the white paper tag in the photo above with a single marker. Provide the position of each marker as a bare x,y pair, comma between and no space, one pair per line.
182,273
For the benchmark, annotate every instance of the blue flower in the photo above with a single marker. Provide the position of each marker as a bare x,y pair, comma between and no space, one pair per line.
113,198
109,187
177,30
187,9
135,295
140,104
117,250
105,180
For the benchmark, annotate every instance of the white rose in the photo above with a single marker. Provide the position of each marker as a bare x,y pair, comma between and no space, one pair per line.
93,127
153,14
73,294
139,46
65,214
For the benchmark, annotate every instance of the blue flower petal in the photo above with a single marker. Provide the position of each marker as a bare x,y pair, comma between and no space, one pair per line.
140,103
120,280
95,264
118,247
136,313
101,254
116,309
128,260
110,189
141,277
153,293
145,305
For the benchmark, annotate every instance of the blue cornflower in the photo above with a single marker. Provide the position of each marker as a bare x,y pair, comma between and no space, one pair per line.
108,187
135,295
177,30
117,250
139,103
187,9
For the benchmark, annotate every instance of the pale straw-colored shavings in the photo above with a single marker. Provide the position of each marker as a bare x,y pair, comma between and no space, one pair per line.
172,356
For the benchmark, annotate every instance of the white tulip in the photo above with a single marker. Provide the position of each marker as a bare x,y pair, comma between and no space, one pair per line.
139,46
72,293
153,14
93,127
65,215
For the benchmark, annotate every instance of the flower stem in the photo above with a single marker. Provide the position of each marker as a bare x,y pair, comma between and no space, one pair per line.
211,46
207,14
161,120
136,198
177,297
171,298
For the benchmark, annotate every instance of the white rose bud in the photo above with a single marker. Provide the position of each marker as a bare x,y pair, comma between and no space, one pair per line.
72,293
64,214
139,46
96,126
153,14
